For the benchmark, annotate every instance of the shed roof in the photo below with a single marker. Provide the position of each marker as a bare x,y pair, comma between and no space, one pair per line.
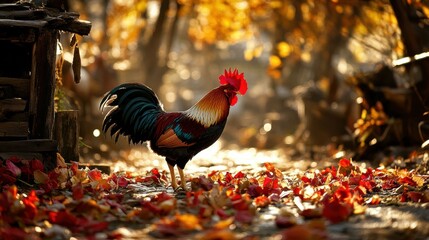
28,15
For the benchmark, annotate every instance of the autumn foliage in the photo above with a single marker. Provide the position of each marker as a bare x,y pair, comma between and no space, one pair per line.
72,201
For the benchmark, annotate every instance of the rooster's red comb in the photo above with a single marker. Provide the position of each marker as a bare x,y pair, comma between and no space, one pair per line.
235,80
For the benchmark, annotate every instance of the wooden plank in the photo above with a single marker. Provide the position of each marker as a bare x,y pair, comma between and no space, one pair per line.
17,117
42,85
33,145
23,14
8,108
12,105
21,86
13,129
37,24
80,27
18,34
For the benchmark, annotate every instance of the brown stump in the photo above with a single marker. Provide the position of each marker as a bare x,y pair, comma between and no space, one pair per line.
66,132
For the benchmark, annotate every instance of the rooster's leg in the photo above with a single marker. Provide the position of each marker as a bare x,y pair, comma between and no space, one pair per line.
182,178
173,177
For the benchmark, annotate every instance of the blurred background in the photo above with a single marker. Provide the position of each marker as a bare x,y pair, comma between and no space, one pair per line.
323,75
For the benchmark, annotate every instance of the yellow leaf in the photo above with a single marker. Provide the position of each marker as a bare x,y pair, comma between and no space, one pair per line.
425,10
275,61
224,223
248,54
60,161
284,49
420,181
40,177
188,222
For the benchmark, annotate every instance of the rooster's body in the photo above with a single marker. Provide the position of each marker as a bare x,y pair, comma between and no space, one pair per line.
138,114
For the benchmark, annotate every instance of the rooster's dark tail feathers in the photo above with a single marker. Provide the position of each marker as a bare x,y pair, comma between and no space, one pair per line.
134,113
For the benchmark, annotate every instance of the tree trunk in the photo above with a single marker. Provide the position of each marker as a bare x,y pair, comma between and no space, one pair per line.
413,45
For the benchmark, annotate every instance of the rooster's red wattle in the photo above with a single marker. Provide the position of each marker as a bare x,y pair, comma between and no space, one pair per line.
138,114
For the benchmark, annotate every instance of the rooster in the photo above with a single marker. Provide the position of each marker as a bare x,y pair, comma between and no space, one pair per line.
178,136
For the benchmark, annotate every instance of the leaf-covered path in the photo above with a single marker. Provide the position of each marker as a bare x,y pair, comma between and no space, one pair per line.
246,194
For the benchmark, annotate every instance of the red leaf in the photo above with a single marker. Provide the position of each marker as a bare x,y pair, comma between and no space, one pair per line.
345,163
389,184
336,212
30,206
95,175
14,159
417,197
192,198
239,175
244,216
36,164
255,190
228,177
74,167
95,227
122,182
6,177
202,182
368,184
13,233
343,194
155,172
13,168
162,197
33,197
77,192
238,203
407,181
271,185
30,209
63,218
151,207
221,213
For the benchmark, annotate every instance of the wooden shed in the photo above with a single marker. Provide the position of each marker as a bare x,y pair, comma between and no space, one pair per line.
28,45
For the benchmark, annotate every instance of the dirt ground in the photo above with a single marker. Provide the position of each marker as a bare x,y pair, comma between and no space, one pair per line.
391,219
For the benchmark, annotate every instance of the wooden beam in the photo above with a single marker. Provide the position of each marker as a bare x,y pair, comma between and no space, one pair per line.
23,23
14,129
12,105
20,86
23,14
34,145
41,111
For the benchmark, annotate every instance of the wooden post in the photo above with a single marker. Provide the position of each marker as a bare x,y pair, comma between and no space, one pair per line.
41,112
66,132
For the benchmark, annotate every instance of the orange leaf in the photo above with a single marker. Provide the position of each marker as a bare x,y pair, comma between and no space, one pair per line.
261,201
222,224
223,234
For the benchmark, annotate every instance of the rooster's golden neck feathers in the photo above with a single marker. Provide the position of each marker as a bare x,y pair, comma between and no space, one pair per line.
211,109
